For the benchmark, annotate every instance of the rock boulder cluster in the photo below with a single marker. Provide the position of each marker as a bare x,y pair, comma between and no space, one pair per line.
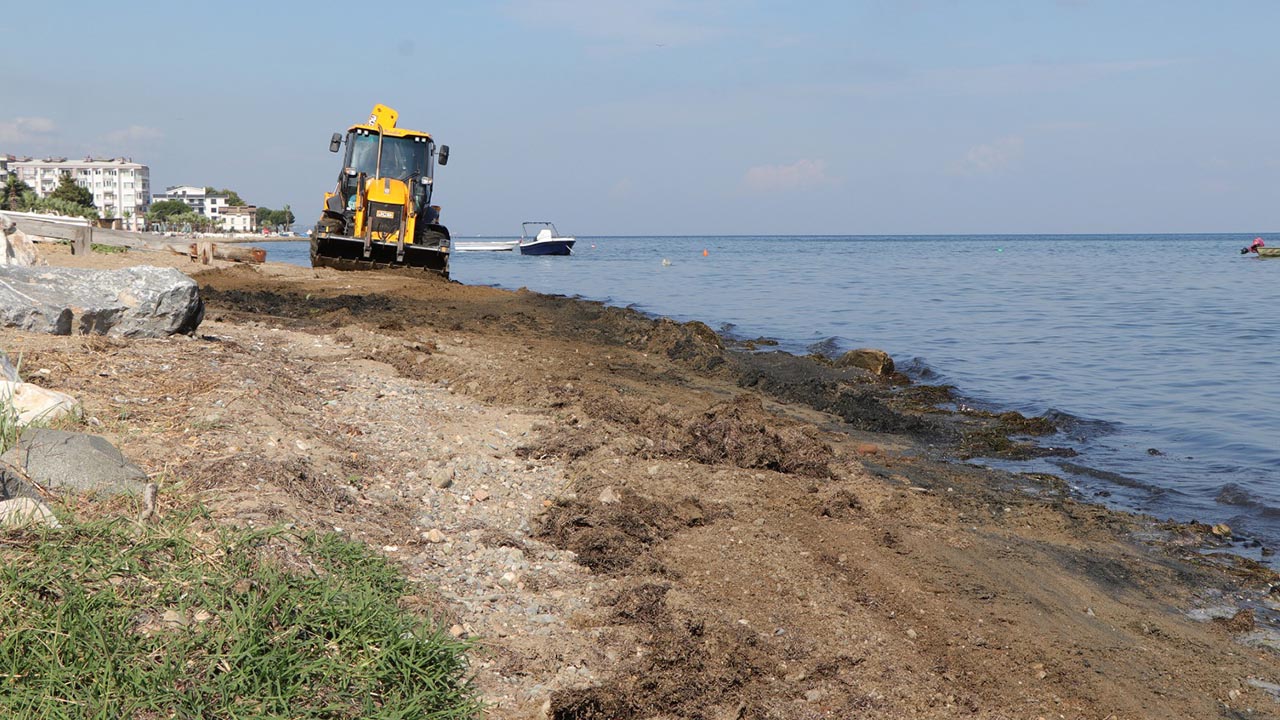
142,301
136,302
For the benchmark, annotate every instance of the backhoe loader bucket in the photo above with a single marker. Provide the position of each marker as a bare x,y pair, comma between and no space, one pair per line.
348,253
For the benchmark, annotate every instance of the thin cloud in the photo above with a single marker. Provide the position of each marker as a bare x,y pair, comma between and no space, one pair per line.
1032,77
987,80
1065,126
799,175
991,158
133,135
663,23
1218,186
27,130
622,189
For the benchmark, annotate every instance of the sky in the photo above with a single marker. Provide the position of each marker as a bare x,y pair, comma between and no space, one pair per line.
686,117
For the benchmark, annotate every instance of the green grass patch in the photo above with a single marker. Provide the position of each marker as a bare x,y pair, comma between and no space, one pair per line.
108,249
187,619
9,428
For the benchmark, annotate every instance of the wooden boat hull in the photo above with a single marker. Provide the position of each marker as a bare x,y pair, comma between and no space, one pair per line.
1269,252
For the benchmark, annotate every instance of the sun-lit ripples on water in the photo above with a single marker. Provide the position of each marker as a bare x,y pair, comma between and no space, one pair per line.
1156,348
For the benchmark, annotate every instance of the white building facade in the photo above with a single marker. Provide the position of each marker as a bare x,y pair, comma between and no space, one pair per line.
121,188
239,218
210,205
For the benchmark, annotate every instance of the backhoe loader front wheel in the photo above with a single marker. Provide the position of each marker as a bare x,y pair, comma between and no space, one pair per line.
330,224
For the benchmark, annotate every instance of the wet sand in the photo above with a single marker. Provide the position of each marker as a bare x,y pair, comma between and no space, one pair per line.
634,520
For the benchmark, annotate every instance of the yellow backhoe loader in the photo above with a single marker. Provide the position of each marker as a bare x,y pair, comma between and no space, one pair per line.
380,215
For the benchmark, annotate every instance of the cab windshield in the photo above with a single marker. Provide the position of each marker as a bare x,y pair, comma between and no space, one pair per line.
402,157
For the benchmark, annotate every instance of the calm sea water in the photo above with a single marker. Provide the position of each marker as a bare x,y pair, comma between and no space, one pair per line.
1158,353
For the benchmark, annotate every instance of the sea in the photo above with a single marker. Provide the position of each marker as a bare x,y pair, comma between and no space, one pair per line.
1158,355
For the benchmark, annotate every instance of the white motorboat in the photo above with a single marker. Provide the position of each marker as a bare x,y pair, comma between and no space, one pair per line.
542,238
485,245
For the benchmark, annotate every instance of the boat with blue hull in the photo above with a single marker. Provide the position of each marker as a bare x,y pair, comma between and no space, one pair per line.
542,238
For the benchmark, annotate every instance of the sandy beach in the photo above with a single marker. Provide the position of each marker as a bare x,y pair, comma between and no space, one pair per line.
634,520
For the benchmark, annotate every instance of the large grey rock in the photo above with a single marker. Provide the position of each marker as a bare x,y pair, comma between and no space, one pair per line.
140,301
74,461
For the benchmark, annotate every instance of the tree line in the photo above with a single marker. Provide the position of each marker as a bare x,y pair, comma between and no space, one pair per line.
70,199
67,199
178,213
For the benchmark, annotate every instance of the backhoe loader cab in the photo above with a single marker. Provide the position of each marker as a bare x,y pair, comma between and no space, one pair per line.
380,214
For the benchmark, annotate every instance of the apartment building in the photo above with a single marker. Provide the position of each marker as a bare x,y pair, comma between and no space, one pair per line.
210,205
121,188
239,218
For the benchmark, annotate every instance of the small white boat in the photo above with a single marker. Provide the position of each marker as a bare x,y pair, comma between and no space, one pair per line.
545,241
485,245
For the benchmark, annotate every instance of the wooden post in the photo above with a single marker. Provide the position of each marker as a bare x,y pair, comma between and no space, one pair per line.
81,240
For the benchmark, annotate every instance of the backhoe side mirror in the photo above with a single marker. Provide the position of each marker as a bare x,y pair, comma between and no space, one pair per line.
335,142
444,155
